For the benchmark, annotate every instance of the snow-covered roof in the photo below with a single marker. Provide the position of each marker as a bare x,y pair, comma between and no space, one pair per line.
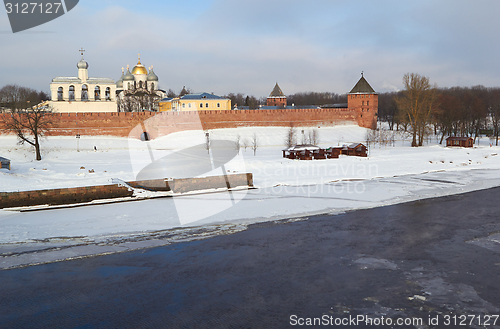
304,147
354,145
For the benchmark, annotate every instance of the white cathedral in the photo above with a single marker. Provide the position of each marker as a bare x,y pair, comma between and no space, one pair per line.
134,91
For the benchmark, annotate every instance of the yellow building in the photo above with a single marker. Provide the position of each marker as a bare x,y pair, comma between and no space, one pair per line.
195,102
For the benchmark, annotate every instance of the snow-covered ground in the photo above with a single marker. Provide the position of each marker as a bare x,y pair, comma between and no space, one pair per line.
286,188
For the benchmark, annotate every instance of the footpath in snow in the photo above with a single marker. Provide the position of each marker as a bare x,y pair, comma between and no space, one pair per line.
287,189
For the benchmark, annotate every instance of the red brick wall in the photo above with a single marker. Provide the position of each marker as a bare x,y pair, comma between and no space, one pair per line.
164,123
366,108
275,101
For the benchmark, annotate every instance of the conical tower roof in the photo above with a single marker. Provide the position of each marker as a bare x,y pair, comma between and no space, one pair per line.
277,92
362,87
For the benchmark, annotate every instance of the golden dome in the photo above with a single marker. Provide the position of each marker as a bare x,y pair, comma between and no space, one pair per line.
139,68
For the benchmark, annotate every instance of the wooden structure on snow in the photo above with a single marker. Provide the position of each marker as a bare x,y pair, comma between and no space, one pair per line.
5,163
310,152
460,141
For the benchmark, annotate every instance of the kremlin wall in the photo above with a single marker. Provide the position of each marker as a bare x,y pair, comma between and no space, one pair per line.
362,108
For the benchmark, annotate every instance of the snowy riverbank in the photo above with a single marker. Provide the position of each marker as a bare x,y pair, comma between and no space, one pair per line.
286,189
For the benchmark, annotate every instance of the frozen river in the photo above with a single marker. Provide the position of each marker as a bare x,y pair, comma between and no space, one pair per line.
428,259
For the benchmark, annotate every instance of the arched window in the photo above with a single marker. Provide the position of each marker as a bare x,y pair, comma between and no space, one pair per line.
140,84
71,93
218,104
183,105
108,94
97,93
85,93
60,94
189,105
201,104
152,86
206,105
129,85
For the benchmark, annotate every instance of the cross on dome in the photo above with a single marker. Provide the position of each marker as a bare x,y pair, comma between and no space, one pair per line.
81,51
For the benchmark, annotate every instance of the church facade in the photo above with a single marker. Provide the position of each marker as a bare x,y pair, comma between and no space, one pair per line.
137,90
82,93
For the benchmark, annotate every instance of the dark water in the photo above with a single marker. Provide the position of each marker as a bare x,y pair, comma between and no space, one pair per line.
368,262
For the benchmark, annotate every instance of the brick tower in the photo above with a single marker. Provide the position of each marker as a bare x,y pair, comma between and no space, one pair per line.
364,101
276,98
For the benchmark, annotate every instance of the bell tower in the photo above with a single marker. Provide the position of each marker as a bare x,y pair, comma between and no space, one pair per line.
82,65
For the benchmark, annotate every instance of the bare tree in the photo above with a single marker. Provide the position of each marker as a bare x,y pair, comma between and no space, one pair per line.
139,100
245,144
237,144
416,104
494,108
255,143
370,137
313,137
171,94
185,91
16,97
30,125
207,141
291,136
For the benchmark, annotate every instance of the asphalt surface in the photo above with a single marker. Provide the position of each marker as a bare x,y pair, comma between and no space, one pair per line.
436,261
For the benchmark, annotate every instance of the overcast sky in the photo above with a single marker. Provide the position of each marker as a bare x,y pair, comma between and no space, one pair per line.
225,46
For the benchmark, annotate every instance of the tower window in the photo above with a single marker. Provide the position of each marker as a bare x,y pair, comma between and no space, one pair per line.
60,94
201,104
71,93
85,93
97,93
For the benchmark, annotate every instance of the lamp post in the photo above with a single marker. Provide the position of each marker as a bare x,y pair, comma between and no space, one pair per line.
78,143
207,142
